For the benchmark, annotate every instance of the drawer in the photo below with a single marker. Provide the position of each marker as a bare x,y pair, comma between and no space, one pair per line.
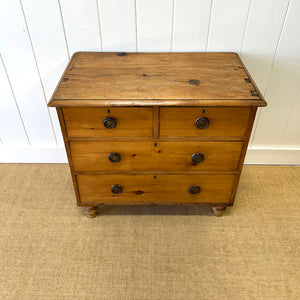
91,122
211,122
155,188
151,156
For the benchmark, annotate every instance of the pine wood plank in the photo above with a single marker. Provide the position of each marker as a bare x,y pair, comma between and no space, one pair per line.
155,156
145,78
223,122
155,188
88,122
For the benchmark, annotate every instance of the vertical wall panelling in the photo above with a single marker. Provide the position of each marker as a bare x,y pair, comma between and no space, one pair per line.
12,131
265,22
38,37
283,88
21,67
261,38
81,24
227,25
117,19
47,36
291,133
190,25
288,55
154,25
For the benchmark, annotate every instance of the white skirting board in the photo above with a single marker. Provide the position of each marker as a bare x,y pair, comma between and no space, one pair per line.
265,156
273,156
33,155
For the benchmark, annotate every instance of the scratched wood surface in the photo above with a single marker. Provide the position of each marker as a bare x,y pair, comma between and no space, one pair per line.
146,76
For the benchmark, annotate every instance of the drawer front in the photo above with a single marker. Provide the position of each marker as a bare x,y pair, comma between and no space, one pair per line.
203,122
155,156
155,188
108,122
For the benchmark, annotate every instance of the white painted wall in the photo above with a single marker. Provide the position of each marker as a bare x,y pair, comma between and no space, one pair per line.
37,39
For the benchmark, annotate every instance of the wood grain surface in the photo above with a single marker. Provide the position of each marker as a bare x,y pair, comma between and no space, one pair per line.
155,156
154,188
223,122
87,122
101,77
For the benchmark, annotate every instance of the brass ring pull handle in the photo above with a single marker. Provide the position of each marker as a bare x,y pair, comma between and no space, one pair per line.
109,122
202,123
116,189
114,157
197,158
194,189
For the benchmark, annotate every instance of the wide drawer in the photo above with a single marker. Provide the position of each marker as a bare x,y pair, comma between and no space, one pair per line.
203,121
155,156
155,188
95,122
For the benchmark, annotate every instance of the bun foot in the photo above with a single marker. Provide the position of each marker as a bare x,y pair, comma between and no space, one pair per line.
218,210
90,212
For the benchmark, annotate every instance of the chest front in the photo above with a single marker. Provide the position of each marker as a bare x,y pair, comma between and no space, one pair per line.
156,128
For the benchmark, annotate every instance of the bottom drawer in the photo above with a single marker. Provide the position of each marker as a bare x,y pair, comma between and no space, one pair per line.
155,188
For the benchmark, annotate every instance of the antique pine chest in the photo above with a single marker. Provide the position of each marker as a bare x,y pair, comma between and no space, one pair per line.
156,128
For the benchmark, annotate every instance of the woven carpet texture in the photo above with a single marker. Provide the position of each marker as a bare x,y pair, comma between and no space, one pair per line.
50,250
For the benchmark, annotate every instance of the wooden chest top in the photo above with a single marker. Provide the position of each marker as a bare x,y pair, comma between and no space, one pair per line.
146,79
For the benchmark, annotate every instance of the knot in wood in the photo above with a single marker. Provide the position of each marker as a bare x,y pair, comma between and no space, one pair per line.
194,82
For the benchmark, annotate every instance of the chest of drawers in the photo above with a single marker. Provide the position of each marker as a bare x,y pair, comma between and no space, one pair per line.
156,128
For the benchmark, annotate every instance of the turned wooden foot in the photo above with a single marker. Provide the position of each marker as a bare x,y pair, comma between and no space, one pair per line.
90,212
218,210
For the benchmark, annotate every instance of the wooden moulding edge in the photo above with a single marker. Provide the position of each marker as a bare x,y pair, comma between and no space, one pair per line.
156,102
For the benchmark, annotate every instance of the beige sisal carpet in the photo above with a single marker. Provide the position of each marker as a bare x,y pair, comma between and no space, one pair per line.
49,250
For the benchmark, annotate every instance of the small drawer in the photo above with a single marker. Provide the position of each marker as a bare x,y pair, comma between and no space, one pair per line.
108,122
155,188
155,156
203,121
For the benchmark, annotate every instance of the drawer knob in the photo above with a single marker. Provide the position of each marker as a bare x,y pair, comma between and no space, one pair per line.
116,189
194,189
197,158
114,157
109,122
202,123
